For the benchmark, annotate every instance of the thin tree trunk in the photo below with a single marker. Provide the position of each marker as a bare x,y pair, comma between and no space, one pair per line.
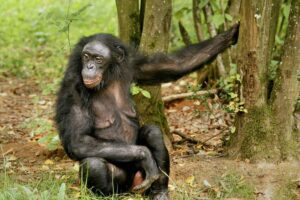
287,88
129,21
197,24
213,32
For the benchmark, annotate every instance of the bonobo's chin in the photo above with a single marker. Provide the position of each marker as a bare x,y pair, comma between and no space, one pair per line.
94,83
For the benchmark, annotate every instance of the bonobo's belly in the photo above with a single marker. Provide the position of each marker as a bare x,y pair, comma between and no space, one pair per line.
116,127
114,116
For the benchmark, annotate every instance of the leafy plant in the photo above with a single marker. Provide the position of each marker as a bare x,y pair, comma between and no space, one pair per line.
135,89
229,91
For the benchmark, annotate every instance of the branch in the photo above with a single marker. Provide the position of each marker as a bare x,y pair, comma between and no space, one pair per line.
188,94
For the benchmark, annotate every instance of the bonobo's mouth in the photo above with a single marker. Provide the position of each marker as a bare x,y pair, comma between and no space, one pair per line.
91,83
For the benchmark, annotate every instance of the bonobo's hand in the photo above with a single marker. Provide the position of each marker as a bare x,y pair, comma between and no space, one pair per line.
234,33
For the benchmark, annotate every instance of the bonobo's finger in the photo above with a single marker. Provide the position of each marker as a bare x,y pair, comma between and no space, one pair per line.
145,184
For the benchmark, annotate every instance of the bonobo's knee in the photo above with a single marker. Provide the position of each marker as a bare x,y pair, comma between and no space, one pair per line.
91,166
152,133
94,173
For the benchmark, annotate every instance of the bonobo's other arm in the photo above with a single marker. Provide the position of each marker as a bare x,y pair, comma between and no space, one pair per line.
79,144
163,68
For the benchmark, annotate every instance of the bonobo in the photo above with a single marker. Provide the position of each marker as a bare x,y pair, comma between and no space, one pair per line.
96,118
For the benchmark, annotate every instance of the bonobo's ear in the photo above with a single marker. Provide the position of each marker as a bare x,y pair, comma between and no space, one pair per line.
120,53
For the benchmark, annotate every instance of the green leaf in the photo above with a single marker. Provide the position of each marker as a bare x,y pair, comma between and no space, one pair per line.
228,17
217,20
232,95
181,12
62,191
146,94
203,3
134,89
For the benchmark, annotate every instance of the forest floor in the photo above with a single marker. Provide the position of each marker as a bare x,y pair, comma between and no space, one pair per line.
199,169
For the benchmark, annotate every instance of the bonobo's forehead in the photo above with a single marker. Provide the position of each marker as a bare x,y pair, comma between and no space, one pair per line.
97,48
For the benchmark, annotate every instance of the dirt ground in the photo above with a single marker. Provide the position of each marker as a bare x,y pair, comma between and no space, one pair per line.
195,166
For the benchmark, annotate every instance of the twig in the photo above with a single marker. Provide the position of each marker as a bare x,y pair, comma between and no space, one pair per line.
184,34
214,136
184,136
7,152
188,94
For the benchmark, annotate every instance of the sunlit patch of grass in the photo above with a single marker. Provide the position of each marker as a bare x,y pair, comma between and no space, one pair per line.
232,185
290,190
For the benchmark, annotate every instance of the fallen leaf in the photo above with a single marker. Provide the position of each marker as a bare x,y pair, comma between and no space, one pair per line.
190,180
49,162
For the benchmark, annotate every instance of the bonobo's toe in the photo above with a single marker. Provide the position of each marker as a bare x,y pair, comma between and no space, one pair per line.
146,184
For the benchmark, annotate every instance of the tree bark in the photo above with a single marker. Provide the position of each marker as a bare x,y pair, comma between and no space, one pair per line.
155,38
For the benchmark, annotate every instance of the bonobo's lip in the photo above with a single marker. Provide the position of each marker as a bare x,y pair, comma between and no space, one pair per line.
91,83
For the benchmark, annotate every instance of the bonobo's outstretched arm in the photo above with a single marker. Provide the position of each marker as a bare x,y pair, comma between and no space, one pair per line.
163,68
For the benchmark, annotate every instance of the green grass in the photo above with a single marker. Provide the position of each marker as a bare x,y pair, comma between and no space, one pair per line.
232,185
36,36
45,188
49,188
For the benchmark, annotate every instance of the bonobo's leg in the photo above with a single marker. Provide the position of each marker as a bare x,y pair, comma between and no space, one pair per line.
103,177
152,137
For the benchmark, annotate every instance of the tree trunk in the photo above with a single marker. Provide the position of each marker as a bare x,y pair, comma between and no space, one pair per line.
255,137
155,38
129,21
287,88
154,19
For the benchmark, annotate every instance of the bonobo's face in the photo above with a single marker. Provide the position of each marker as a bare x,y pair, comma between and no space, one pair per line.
95,60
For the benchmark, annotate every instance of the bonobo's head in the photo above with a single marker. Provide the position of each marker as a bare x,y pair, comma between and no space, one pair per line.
95,60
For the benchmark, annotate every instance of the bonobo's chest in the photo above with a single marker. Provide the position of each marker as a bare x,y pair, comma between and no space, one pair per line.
115,118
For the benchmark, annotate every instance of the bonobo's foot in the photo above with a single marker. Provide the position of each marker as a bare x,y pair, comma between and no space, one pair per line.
159,195
146,184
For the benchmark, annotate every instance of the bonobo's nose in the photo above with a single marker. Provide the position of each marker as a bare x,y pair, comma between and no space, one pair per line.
90,66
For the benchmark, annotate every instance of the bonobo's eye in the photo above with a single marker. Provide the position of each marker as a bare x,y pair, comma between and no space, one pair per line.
85,56
99,59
